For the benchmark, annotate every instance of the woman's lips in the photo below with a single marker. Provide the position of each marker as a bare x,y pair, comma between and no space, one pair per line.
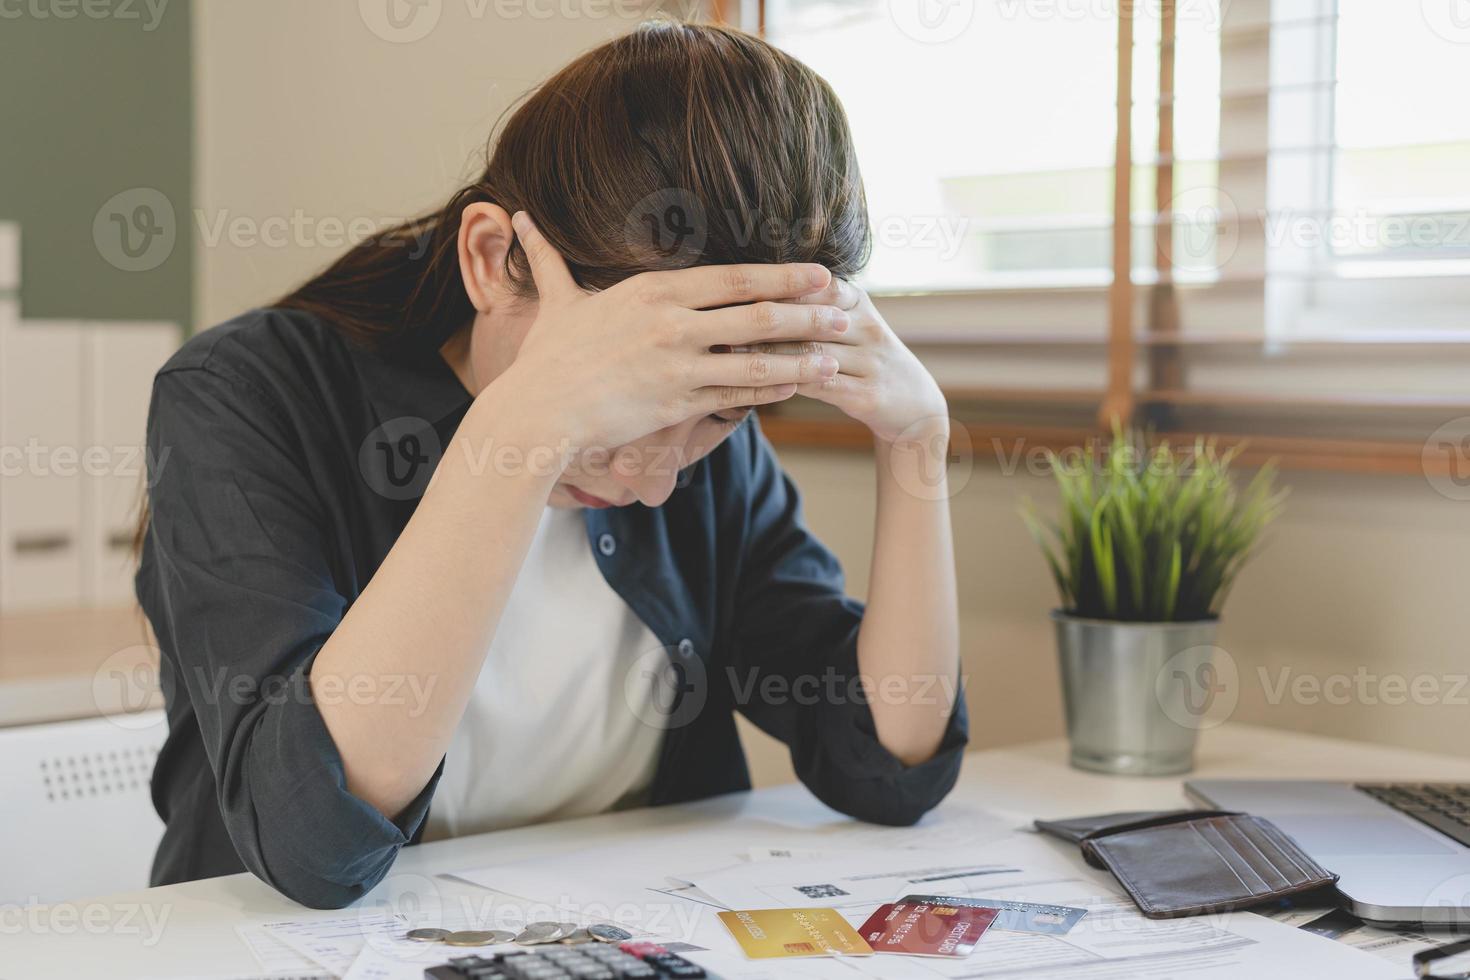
587,499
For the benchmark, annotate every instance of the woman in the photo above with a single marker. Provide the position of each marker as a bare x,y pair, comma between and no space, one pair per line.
476,528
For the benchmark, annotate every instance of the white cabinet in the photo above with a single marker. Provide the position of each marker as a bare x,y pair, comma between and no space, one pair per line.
73,409
121,359
42,441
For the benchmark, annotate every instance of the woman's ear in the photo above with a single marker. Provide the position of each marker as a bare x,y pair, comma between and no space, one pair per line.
485,237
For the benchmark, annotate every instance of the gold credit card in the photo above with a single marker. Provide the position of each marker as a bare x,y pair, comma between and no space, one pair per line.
769,933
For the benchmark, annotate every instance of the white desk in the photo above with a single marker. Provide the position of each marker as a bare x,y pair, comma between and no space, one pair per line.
198,935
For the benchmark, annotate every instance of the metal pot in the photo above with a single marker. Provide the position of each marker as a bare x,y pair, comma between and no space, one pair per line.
1126,686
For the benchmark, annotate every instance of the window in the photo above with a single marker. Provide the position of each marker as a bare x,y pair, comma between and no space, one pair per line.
1297,212
1401,168
956,202
1368,231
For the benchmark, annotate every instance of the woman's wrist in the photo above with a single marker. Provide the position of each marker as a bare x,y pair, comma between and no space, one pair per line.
507,431
929,427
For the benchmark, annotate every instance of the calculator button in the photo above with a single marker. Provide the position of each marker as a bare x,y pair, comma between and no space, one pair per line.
673,965
641,949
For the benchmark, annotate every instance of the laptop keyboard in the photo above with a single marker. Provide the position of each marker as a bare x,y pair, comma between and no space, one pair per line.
1443,806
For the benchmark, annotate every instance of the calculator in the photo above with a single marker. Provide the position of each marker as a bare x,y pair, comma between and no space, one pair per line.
584,961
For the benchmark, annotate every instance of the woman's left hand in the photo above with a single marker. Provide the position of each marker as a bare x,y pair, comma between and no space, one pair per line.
879,381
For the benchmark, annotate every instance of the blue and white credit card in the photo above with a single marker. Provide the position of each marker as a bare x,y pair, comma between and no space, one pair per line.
1054,920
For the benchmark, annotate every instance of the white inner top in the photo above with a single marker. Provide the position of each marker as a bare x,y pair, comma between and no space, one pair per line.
562,720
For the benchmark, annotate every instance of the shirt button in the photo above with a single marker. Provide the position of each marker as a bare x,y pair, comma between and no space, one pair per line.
606,544
686,647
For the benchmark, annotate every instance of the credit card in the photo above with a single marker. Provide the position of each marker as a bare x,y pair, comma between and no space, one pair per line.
1052,920
924,929
768,933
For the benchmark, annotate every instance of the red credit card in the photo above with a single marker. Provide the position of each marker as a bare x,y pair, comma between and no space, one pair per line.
921,929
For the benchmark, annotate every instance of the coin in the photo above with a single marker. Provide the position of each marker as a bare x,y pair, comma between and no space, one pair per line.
575,936
608,934
539,933
478,937
427,935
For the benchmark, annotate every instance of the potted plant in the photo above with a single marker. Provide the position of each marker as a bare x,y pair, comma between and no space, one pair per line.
1144,552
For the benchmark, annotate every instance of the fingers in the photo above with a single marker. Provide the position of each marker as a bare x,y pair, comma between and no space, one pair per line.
838,389
759,370
766,321
707,286
851,360
722,398
547,268
839,293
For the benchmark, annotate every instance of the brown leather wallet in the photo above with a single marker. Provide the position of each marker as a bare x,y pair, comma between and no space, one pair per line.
1190,862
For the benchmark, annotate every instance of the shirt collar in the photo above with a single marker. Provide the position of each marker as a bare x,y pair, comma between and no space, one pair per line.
410,383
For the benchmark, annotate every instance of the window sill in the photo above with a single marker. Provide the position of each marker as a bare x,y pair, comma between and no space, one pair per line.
1004,444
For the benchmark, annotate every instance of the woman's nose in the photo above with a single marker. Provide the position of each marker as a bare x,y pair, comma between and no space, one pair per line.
654,488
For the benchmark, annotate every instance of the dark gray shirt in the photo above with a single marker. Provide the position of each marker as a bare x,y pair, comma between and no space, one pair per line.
288,462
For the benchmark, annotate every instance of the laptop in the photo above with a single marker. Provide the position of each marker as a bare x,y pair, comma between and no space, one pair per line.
1402,849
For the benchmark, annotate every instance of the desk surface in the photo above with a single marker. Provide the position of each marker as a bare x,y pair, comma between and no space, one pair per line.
110,936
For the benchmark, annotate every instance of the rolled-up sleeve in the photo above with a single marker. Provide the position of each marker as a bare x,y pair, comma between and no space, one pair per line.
239,586
795,663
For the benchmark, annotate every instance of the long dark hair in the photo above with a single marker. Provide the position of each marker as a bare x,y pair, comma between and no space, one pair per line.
675,144
736,147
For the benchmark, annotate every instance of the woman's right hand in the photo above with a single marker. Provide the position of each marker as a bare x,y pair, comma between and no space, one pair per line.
603,369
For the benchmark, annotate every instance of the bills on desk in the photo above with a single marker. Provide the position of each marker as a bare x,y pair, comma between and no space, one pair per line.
1075,922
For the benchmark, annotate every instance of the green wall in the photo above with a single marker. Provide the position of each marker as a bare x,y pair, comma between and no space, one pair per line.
95,103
